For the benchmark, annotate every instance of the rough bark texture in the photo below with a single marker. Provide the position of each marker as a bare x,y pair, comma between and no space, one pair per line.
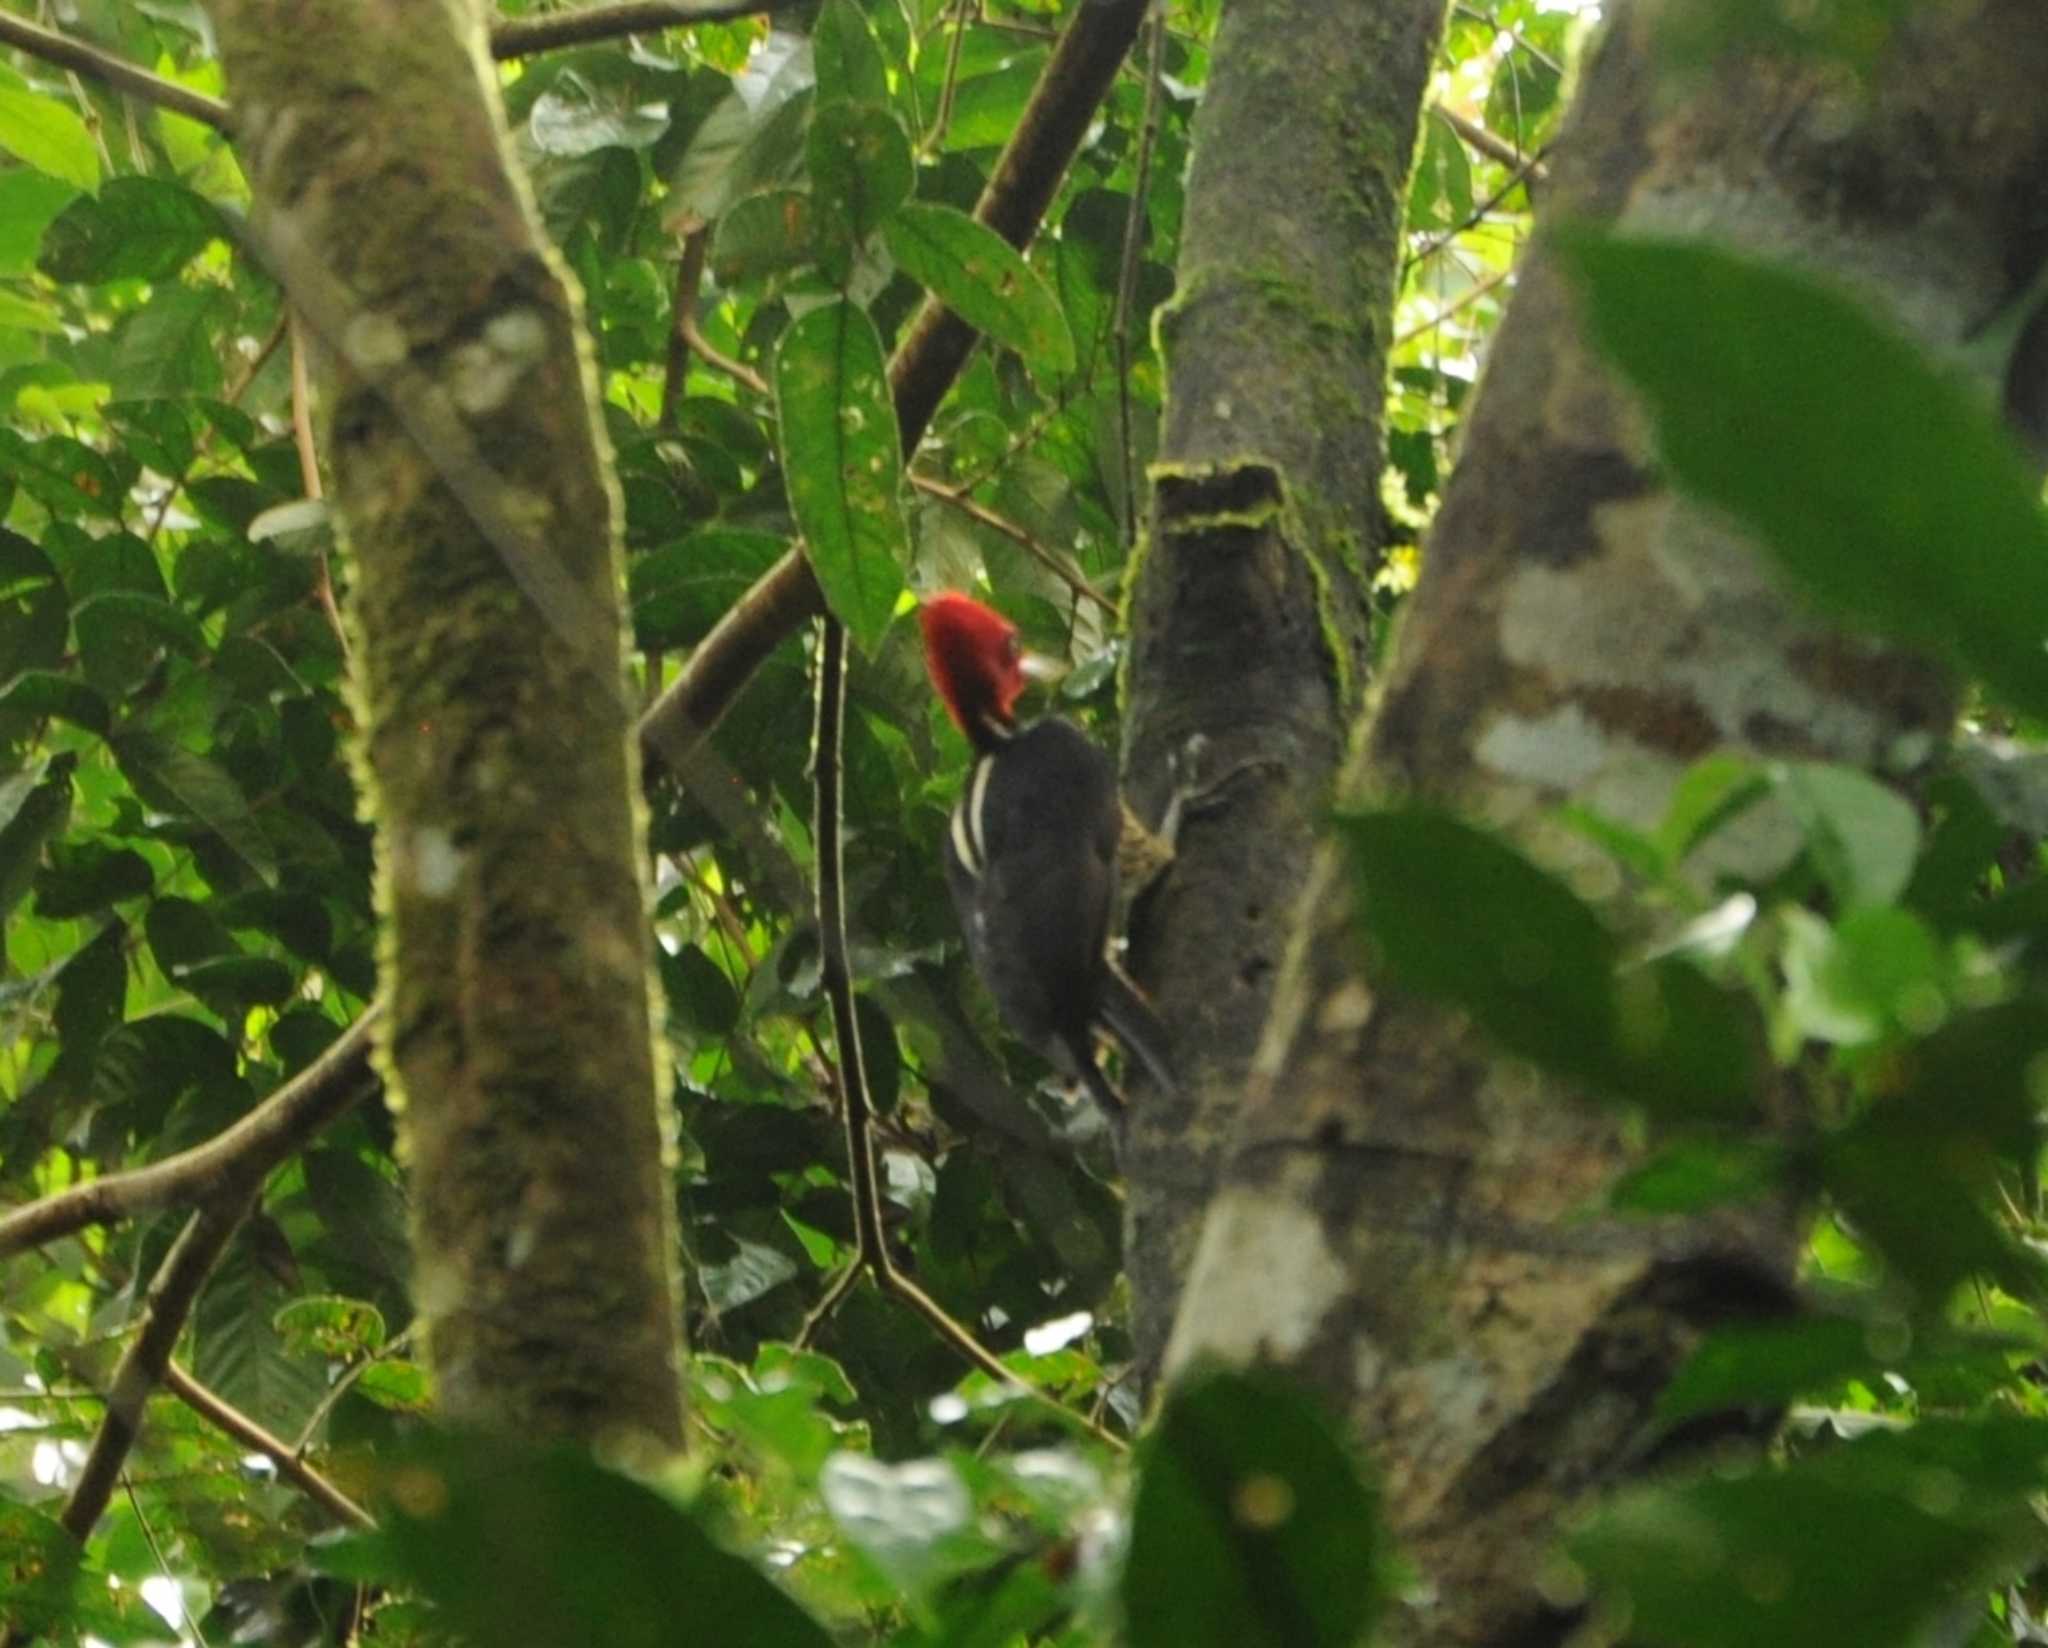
1396,1218
498,762
1251,605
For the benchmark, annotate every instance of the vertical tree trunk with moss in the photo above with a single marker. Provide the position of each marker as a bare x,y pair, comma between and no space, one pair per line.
481,524
1251,610
1402,1216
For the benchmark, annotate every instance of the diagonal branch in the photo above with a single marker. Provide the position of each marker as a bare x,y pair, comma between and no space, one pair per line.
224,1416
933,349
108,70
242,1154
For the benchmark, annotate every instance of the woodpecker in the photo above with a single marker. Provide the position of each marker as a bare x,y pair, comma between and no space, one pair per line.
1031,855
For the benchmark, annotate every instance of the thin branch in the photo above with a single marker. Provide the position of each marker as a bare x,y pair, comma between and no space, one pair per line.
217,1411
1127,277
836,971
934,347
1492,146
689,279
124,77
171,1297
243,1153
871,1246
964,501
1437,242
341,1387
581,28
1470,295
309,477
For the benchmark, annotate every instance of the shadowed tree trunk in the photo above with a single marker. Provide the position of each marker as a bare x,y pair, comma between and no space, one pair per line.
1251,608
472,488
1402,1215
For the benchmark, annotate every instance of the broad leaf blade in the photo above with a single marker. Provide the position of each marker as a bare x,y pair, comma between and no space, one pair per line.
1251,1526
979,276
1858,465
842,458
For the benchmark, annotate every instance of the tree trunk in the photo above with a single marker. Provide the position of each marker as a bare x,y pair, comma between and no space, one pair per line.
472,486
1251,608
1401,1215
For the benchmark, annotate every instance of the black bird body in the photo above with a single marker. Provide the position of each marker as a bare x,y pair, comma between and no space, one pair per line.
1031,858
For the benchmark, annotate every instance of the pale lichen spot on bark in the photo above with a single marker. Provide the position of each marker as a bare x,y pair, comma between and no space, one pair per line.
1263,1281
1561,749
374,342
483,373
434,866
1346,1009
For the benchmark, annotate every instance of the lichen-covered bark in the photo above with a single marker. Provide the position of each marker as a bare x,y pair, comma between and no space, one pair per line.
1402,1218
1250,611
498,765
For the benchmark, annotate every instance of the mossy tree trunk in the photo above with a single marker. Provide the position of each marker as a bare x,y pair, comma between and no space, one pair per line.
1250,614
472,489
1401,1218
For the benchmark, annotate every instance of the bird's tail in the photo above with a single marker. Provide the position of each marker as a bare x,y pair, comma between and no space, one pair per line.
1130,1018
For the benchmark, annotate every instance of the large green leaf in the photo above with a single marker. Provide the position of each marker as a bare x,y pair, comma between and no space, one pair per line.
48,135
1251,1526
977,274
137,228
169,776
861,172
1864,1545
849,62
842,458
1880,484
1459,915
518,1544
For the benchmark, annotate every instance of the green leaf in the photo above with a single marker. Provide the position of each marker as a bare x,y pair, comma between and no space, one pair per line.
168,776
1693,1174
764,234
861,172
1458,915
49,136
680,590
20,314
91,992
1251,1524
29,204
1770,1364
842,459
1865,1545
1855,462
1863,837
1916,1172
518,1544
744,145
35,806
89,876
34,610
137,228
45,693
977,274
849,61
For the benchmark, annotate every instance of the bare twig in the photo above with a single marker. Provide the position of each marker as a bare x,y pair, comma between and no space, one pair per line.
871,1246
172,1294
964,501
108,70
689,279
1470,295
1490,145
581,28
309,478
216,1410
243,1153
